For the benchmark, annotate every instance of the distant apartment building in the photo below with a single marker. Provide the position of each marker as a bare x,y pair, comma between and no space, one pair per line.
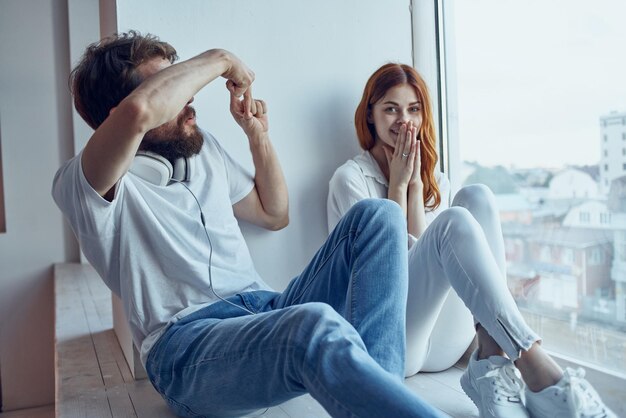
568,189
572,263
559,256
591,214
613,149
617,206
514,207
572,185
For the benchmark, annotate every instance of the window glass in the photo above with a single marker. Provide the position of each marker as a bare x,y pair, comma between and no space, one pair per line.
537,106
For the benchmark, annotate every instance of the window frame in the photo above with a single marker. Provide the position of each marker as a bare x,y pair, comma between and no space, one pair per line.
3,223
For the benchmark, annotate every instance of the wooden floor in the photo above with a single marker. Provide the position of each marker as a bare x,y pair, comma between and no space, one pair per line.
41,412
93,378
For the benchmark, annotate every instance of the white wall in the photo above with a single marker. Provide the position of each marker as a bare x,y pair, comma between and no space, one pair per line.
36,136
83,27
311,60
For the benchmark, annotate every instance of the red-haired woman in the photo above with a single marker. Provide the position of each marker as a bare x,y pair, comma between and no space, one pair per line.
458,247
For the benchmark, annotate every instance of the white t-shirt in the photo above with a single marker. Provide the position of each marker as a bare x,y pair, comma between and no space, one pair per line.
361,178
149,245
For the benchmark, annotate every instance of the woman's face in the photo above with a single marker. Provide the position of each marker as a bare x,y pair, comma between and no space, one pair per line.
398,106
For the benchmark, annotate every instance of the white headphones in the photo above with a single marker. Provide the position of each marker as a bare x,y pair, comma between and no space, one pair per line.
156,169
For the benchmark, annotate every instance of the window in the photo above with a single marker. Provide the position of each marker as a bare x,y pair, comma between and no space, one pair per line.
620,246
596,257
567,256
546,254
498,74
583,217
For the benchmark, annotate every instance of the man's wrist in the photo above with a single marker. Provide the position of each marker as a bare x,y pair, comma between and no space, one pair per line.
259,139
222,58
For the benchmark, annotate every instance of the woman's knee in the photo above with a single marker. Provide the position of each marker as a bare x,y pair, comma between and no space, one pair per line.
475,198
457,222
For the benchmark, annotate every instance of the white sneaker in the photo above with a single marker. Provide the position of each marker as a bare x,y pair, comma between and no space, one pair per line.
571,397
495,387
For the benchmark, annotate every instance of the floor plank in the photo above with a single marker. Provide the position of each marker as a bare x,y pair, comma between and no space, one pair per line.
304,407
41,412
91,377
442,395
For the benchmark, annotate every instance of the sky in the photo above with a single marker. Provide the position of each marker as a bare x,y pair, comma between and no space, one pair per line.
535,76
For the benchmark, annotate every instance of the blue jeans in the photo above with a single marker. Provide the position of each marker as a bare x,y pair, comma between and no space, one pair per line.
336,332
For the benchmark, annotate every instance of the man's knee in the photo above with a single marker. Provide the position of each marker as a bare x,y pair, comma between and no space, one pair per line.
371,204
383,213
320,328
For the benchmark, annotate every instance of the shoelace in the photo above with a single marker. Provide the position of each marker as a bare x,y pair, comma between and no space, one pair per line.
581,395
507,383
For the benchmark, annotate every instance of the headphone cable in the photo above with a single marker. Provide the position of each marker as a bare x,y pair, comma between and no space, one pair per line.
206,232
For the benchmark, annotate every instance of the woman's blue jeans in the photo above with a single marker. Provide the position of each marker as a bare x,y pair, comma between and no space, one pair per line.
336,332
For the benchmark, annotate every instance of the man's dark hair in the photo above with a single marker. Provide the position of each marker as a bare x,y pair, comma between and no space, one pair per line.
107,72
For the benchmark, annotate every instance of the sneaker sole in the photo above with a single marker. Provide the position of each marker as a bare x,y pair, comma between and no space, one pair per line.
474,396
469,390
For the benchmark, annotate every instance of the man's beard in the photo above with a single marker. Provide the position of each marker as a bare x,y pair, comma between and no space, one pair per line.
174,139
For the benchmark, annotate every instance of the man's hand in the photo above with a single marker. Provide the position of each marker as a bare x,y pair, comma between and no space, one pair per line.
250,114
239,77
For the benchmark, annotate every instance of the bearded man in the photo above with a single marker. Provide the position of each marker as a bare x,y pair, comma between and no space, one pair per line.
154,203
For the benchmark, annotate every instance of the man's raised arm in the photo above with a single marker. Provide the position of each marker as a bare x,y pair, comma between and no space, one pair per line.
164,93
267,205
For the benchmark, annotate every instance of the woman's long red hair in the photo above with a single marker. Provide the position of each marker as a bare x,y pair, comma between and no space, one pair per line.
386,77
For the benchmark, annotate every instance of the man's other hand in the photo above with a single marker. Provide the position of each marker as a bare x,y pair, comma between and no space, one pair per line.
250,114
